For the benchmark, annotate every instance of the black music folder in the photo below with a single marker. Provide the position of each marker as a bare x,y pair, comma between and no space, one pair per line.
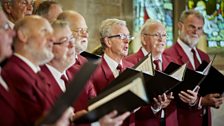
158,82
72,93
90,56
213,82
190,81
125,96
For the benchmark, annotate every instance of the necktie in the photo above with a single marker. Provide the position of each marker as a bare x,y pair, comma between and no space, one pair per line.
156,63
119,68
64,79
196,61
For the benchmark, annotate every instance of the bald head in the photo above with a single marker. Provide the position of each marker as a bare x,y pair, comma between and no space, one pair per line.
74,19
79,28
34,39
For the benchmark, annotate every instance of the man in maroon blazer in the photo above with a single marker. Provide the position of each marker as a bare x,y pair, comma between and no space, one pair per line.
79,29
153,39
12,112
64,57
114,39
190,29
33,47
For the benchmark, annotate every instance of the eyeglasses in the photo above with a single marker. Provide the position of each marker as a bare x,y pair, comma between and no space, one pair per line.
5,26
80,31
156,35
122,37
66,40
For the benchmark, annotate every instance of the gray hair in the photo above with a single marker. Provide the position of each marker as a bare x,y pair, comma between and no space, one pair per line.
59,24
146,25
187,13
106,26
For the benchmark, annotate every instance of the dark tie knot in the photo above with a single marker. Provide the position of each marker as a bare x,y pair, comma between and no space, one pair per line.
156,62
193,51
119,67
64,79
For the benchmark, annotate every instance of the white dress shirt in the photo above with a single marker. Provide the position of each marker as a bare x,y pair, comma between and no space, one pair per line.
57,76
112,65
188,52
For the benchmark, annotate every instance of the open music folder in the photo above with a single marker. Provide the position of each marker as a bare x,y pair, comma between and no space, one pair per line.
213,81
151,84
158,82
206,76
125,96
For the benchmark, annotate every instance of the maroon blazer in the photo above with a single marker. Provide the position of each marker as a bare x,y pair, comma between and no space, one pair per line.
53,84
82,102
103,75
144,116
30,87
178,53
188,117
12,113
78,64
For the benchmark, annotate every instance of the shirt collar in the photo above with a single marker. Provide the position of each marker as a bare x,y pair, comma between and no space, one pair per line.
184,46
160,58
55,72
34,67
111,63
144,51
11,24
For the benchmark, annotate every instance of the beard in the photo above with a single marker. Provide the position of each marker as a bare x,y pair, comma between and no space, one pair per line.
190,41
46,57
41,57
80,46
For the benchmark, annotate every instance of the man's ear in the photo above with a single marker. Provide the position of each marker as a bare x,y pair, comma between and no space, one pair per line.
7,7
143,40
22,36
107,42
180,25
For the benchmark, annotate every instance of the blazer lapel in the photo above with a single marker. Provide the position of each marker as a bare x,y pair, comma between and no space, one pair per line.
183,56
106,70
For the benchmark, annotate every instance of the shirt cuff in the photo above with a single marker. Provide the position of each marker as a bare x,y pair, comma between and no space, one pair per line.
95,124
155,110
199,103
